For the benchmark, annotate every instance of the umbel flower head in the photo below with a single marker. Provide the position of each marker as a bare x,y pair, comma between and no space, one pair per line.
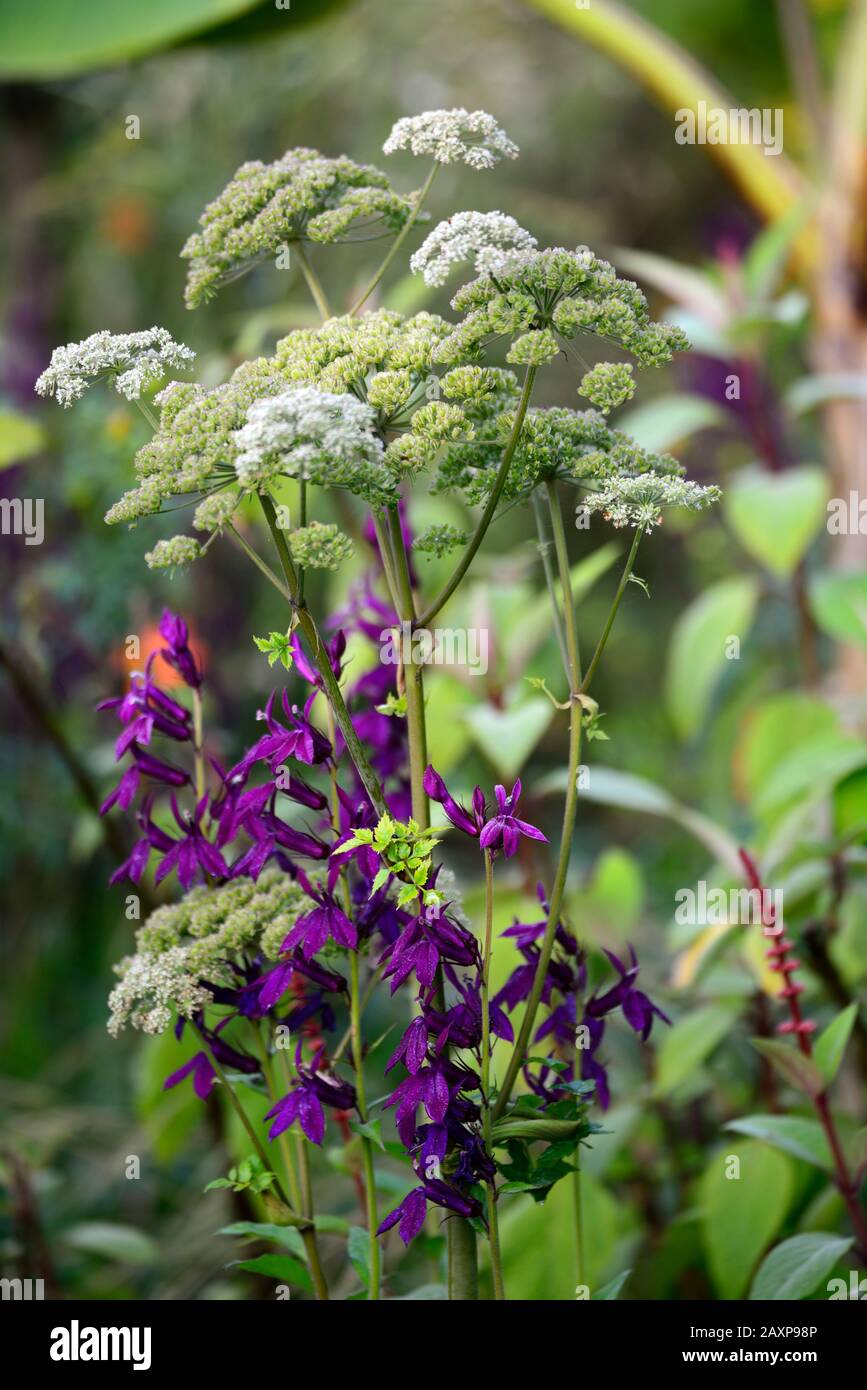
481,237
471,137
300,197
314,435
130,362
640,501
541,299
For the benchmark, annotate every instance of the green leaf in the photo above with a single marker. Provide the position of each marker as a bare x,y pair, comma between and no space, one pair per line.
831,1044
808,392
508,737
690,1042
39,41
287,1236
839,605
811,768
741,1215
800,1071
666,422
802,1138
697,653
126,1244
20,437
280,1267
372,1130
774,728
797,1267
775,516
358,1249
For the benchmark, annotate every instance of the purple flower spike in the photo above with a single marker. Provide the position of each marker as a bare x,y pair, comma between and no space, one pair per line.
177,653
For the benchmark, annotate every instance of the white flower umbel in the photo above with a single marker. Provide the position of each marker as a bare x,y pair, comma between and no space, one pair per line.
640,501
316,436
471,137
130,361
486,238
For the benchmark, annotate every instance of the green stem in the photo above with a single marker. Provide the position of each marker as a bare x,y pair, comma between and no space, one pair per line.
323,665
570,810
490,507
314,284
398,241
198,754
621,587
386,556
493,1220
148,414
261,564
545,548
366,1145
463,1264
413,674
579,1222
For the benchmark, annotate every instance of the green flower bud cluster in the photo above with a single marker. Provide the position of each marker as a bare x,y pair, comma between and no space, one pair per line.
554,443
265,207
439,540
173,553
565,292
319,546
608,385
185,947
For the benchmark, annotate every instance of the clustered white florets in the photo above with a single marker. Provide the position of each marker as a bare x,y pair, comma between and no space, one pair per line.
486,238
131,362
639,501
312,435
472,137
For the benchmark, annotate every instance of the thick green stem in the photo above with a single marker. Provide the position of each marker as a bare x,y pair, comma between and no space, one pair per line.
463,1264
522,1045
490,506
545,548
493,1220
366,1145
579,1221
624,580
314,284
323,665
398,241
413,674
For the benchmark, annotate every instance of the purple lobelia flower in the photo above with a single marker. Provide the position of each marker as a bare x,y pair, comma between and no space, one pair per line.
326,921
471,822
504,830
177,652
192,852
315,1088
298,738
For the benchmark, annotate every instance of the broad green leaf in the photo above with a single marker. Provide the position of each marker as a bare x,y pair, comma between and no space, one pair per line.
609,787
20,437
831,1044
741,1215
700,647
508,737
775,516
773,728
690,1042
797,1267
38,41
616,890
800,1071
667,421
839,605
765,260
802,1138
811,768
280,1267
112,1241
